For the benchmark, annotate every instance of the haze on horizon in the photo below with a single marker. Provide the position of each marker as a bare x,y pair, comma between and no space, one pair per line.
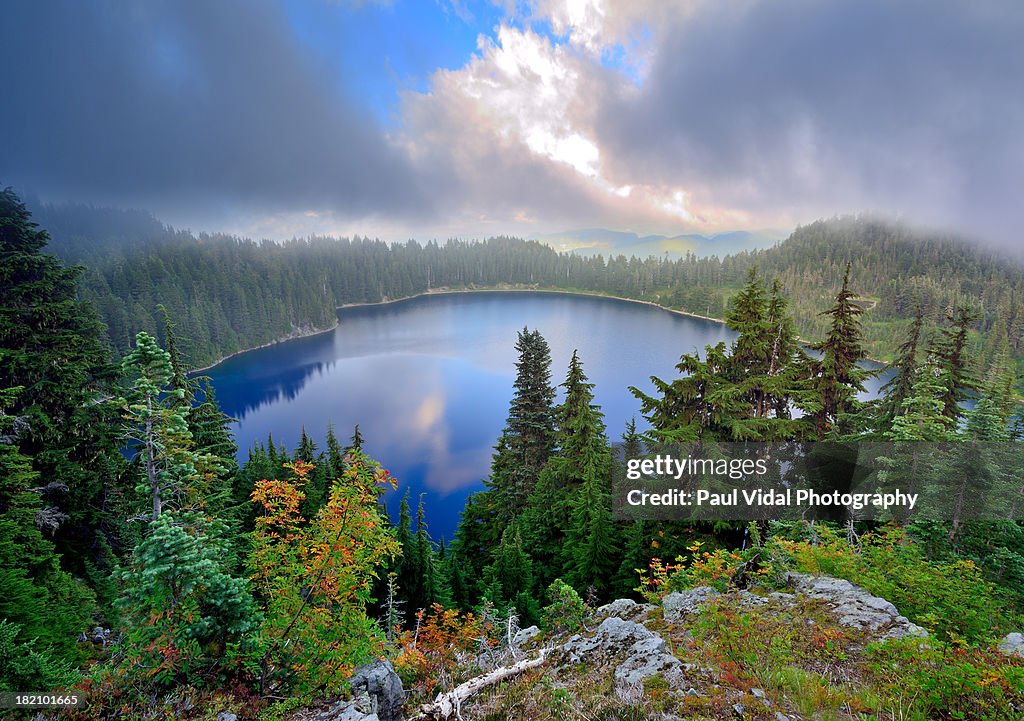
404,119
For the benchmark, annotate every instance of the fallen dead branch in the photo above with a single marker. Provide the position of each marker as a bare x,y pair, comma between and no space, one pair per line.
448,704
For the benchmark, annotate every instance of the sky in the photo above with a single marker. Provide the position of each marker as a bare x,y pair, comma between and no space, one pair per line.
440,118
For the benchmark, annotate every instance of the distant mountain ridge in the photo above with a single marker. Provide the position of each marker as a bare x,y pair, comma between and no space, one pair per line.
595,241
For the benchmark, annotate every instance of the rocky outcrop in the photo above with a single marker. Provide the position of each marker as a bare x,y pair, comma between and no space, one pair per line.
677,606
635,651
524,635
1012,644
854,607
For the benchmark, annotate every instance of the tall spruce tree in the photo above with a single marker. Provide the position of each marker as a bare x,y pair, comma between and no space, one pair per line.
950,350
39,600
157,422
837,377
898,388
529,436
51,346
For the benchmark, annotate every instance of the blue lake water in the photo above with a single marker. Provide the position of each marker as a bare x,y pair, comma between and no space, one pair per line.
429,380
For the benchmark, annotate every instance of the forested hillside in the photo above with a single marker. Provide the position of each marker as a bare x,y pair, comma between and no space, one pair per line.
228,294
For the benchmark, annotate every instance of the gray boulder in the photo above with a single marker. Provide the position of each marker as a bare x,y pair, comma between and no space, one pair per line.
625,608
345,711
1012,644
524,635
855,607
683,603
377,690
636,651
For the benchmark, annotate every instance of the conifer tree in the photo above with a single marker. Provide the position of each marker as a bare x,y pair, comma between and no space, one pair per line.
39,600
837,376
529,436
335,453
52,347
426,585
356,442
899,387
510,573
406,568
319,480
950,350
590,546
702,404
583,457
172,470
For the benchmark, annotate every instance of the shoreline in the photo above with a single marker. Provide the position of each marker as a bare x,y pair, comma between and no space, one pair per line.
583,293
460,291
283,339
447,291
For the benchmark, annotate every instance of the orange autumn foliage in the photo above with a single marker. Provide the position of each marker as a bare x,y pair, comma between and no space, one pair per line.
316,578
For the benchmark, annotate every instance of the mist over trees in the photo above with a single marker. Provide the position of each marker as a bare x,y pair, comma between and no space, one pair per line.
226,293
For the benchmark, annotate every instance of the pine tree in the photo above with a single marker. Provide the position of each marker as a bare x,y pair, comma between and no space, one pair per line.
52,346
335,453
319,480
529,436
407,570
510,572
39,600
583,457
950,350
590,538
837,376
172,471
356,443
426,587
702,404
899,387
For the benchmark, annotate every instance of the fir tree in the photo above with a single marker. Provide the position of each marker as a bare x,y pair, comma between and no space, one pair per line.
590,538
52,346
356,442
950,350
335,453
899,387
172,471
39,600
529,436
837,376
510,572
583,457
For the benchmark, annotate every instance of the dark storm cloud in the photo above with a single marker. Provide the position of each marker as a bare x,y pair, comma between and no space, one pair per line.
197,104
907,106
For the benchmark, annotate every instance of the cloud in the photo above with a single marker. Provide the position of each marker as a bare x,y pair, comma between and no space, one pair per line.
178,105
907,107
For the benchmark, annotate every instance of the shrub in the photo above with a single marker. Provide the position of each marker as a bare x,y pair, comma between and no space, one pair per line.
949,598
566,610
431,653
934,680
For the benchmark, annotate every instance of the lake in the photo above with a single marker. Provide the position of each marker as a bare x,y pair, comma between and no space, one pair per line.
429,380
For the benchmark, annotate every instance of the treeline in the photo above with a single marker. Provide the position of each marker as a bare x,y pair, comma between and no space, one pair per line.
227,293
